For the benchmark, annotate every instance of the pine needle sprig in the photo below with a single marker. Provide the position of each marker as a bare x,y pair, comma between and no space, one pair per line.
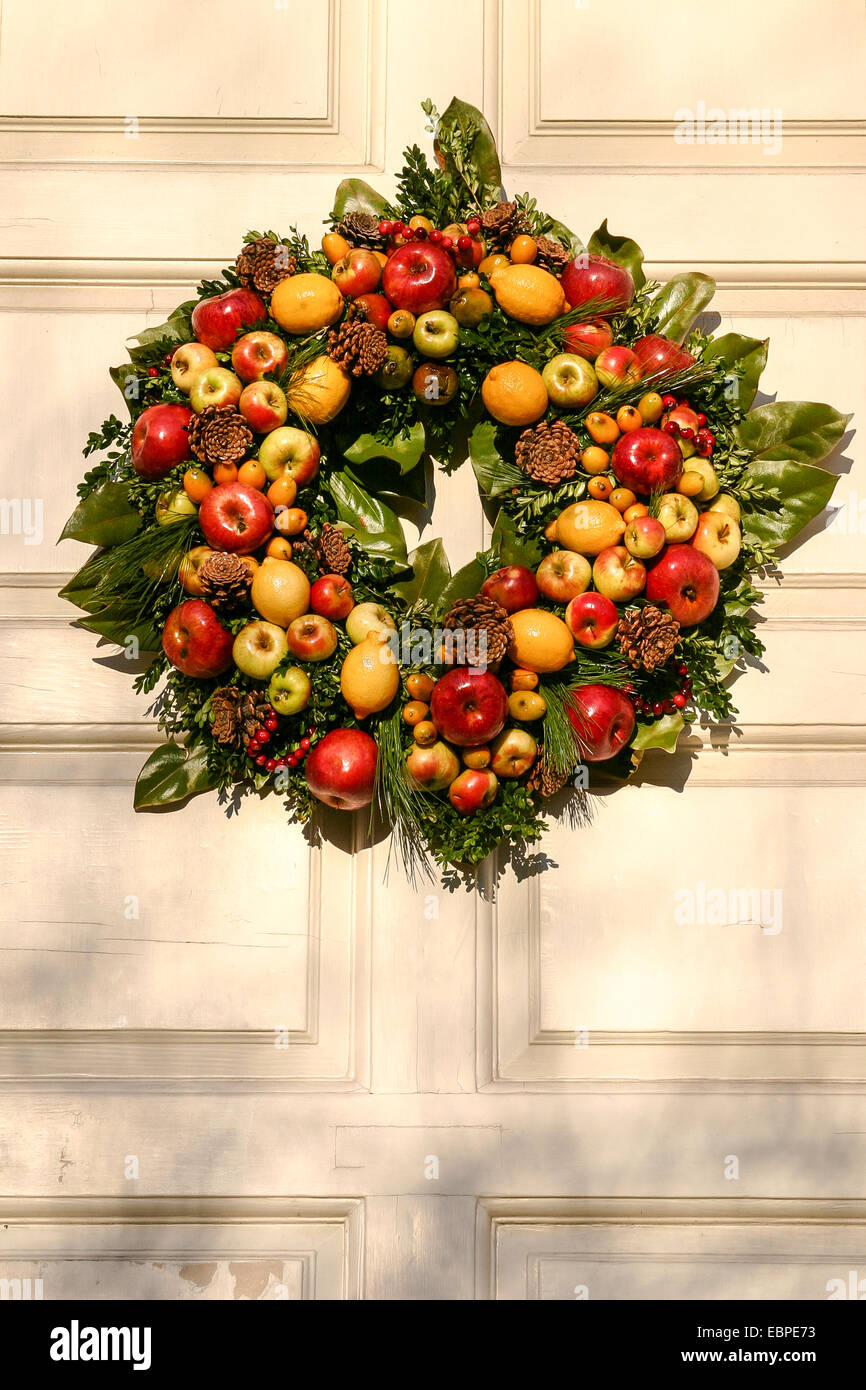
398,802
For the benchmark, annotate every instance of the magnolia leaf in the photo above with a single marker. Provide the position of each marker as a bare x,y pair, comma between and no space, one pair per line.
172,773
678,303
620,249
662,734
802,490
354,195
512,548
105,517
569,239
494,474
431,574
177,329
121,623
748,355
374,526
801,431
478,137
465,584
405,450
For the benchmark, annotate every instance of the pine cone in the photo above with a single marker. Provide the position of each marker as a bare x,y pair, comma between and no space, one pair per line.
358,347
544,778
219,435
484,627
552,255
647,636
225,709
225,581
253,711
549,453
264,263
334,555
500,225
361,229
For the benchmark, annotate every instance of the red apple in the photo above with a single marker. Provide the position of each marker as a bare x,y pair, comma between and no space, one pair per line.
160,440
645,536
617,574
592,619
617,366
263,406
433,768
375,308
513,753
358,272
332,597
562,575
290,450
594,277
468,706
216,322
512,587
312,637
341,769
659,356
686,581
419,277
588,339
195,641
473,790
647,460
257,354
603,719
236,518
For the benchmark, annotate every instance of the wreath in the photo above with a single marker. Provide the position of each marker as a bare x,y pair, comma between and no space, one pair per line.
247,538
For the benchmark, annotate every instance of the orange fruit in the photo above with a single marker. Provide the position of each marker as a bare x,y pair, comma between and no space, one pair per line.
600,488
478,755
291,521
651,407
629,418
637,509
283,492
689,485
414,712
523,680
419,221
253,475
305,303
225,473
541,641
622,498
321,390
514,393
492,263
197,484
335,246
602,428
523,250
550,531
594,459
279,548
528,294
470,281
589,527
419,686
381,257
425,733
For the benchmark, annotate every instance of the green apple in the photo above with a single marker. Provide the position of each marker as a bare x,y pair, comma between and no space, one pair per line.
679,517
470,306
436,334
289,691
259,648
172,506
708,473
366,619
214,386
290,450
570,380
396,370
727,504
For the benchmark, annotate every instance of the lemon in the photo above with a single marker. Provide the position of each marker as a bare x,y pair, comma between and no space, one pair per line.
305,303
528,293
370,677
541,642
280,591
589,527
320,392
514,393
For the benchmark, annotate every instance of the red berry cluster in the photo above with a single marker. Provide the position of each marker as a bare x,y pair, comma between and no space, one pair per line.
388,228
704,439
656,708
262,737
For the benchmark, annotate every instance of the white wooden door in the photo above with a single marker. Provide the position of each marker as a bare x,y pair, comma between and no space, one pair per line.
555,1091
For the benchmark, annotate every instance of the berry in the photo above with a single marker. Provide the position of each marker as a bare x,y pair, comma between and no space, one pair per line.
683,670
447,243
386,227
658,708
473,226
167,359
702,419
436,235
271,765
261,760
671,427
305,744
669,402
271,723
420,233
679,700
687,432
253,747
153,371
263,736
464,243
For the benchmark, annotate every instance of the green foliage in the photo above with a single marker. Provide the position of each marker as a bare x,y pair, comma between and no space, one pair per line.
103,517
171,774
746,359
465,145
662,733
354,195
785,440
431,575
678,303
513,819
406,451
620,249
494,474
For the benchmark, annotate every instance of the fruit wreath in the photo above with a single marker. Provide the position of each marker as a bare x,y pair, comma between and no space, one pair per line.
248,540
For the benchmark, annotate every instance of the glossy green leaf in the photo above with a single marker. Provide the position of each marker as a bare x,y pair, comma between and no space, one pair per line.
495,474
484,167
465,584
798,431
177,329
569,239
120,623
514,549
678,303
171,774
802,490
620,249
354,195
431,575
748,355
405,450
662,734
105,517
375,527
383,478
